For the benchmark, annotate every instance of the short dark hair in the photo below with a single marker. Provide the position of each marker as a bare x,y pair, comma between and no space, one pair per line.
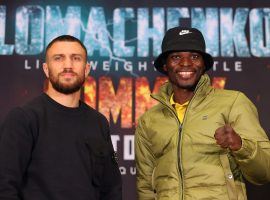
65,38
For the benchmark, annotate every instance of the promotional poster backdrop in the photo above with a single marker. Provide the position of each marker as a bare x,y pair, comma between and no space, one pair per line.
123,38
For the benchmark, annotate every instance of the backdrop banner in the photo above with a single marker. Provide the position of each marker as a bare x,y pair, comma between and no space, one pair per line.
123,38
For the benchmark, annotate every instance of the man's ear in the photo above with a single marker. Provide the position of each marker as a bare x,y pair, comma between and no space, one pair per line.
45,69
87,69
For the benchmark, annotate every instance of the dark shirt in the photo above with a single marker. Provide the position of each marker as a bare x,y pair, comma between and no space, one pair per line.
52,152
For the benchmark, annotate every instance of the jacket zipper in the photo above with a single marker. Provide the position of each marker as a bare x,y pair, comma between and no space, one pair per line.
180,168
179,143
179,159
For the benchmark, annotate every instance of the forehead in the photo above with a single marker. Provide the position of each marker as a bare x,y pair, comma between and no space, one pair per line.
65,47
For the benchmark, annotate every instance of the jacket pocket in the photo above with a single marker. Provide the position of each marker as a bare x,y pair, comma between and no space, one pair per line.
229,179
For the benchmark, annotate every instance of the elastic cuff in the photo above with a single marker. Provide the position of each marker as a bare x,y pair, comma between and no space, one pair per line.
246,151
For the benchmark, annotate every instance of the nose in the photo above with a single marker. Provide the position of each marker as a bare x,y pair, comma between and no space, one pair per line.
68,63
186,61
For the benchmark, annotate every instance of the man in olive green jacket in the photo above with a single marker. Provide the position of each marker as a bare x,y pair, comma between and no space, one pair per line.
197,143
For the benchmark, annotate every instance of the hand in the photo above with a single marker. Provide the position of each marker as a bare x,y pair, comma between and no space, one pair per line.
226,137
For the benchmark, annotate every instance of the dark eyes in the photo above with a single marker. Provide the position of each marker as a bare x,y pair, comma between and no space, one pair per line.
77,58
195,56
57,58
61,58
192,57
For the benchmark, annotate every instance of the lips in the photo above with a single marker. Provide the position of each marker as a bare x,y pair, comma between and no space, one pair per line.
68,74
185,74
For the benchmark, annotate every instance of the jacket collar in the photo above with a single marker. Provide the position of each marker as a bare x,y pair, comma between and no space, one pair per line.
202,89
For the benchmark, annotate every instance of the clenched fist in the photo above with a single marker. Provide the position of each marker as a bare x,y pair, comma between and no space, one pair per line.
226,137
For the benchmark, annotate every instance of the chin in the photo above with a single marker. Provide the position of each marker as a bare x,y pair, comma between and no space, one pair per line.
186,85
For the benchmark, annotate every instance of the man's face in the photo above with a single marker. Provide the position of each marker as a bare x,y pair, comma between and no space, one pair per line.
66,66
184,69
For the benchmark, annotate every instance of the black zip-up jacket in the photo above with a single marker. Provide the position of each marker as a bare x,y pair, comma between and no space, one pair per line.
52,152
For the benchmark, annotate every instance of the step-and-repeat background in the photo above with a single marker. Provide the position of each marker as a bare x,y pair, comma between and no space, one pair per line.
123,38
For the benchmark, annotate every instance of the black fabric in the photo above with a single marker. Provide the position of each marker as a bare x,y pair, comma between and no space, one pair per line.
51,152
183,39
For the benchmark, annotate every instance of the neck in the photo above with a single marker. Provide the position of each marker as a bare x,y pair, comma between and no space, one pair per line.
68,100
181,96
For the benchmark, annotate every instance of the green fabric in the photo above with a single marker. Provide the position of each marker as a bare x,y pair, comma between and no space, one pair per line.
187,165
179,108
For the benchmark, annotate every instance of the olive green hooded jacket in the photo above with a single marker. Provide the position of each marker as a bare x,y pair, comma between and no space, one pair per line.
177,161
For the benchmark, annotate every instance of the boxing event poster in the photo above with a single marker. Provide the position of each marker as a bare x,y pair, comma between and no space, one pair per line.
123,38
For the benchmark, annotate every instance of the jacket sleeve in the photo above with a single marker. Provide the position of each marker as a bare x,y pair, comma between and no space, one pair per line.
254,156
15,151
111,187
144,164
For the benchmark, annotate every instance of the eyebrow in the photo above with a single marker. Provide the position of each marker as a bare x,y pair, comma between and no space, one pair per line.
73,54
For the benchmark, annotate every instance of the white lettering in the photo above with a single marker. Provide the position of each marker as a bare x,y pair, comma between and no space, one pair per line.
129,153
115,139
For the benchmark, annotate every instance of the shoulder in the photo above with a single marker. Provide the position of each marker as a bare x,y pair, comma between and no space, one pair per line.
35,104
96,120
225,93
152,114
15,122
232,95
24,112
16,114
93,114
35,107
233,99
227,96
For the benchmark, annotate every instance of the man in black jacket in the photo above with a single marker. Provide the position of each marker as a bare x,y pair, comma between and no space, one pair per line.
56,147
